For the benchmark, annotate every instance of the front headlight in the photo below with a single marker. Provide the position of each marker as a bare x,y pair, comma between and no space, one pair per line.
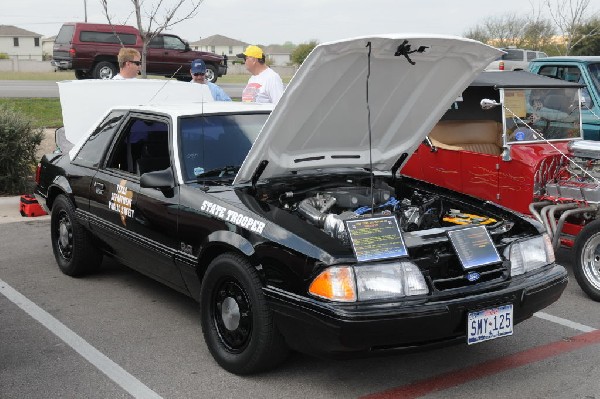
371,281
530,254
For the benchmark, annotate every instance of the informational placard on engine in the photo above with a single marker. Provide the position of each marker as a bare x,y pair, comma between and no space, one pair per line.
376,238
473,246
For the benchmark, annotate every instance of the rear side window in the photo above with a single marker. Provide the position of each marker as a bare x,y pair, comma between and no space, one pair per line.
92,151
513,55
65,35
107,37
531,55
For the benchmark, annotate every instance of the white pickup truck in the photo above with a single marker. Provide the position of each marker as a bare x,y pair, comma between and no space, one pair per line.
514,59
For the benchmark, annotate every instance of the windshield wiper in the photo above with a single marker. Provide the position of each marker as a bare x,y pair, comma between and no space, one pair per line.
221,172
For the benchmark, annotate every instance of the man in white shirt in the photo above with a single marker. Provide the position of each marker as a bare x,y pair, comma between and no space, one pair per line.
129,63
265,85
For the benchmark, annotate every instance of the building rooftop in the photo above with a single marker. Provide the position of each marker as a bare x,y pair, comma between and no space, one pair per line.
10,30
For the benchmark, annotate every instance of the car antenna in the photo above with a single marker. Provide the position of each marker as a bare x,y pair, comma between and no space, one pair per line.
369,127
163,86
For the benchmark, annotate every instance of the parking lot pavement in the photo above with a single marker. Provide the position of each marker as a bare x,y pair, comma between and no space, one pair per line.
153,334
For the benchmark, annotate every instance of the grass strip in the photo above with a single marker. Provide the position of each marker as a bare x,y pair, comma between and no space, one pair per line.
45,112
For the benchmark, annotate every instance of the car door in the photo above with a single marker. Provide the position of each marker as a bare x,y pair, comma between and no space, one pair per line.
165,54
138,223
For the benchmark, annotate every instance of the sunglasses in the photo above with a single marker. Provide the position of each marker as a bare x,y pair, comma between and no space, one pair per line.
138,63
198,74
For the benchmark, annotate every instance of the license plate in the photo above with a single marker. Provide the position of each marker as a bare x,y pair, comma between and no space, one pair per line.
489,324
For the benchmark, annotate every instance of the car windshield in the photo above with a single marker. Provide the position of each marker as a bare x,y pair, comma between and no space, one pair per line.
542,114
214,147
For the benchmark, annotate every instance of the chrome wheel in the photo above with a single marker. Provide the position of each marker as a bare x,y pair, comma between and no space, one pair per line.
587,259
106,73
590,261
211,74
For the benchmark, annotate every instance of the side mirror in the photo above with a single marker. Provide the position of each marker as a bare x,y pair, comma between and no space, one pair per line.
160,179
486,103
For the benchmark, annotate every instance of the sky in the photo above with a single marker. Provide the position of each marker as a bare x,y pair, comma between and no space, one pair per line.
275,21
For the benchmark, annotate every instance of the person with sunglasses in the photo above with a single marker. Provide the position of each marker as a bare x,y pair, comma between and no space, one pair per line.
198,72
129,63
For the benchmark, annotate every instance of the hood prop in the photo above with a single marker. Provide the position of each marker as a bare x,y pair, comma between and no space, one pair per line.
369,127
259,169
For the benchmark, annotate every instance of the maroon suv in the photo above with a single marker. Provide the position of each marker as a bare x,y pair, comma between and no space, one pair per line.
91,50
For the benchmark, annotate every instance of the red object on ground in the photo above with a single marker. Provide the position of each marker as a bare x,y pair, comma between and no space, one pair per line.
29,206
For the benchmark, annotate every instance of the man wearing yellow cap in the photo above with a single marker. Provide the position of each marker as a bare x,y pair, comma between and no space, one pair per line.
265,85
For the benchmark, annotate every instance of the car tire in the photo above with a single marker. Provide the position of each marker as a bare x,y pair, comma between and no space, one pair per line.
237,323
72,244
587,260
104,70
81,74
211,73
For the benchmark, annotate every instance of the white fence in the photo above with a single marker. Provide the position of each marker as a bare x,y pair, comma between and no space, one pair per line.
16,65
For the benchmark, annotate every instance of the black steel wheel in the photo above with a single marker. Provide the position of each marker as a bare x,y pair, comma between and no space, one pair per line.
72,245
587,260
237,324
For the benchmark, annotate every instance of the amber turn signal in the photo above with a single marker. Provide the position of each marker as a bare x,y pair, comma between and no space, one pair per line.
336,284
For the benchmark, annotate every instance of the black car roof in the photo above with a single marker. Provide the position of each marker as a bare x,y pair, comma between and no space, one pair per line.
519,79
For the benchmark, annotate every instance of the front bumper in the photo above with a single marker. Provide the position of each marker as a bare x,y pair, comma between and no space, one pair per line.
342,330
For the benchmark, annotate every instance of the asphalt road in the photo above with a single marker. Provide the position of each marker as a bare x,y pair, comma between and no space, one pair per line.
118,334
46,88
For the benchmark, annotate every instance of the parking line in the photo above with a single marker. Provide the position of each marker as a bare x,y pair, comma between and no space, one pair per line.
564,322
115,372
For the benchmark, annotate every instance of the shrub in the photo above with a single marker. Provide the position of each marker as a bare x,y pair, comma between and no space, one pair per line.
18,144
301,52
4,56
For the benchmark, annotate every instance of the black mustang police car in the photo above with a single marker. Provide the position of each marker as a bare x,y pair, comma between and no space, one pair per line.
293,228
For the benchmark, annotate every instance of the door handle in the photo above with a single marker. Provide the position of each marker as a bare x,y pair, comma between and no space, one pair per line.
99,187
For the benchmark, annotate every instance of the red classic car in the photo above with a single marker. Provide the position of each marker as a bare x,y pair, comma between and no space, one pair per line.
515,139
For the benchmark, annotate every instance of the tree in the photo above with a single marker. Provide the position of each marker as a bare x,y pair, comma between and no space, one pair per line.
157,19
569,16
532,32
301,52
590,44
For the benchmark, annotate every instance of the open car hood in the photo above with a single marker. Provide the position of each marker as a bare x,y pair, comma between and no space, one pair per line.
397,86
85,102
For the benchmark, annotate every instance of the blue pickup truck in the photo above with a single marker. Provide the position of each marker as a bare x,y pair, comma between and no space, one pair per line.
580,69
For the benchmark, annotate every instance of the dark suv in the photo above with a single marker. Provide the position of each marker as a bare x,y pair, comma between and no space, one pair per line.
91,50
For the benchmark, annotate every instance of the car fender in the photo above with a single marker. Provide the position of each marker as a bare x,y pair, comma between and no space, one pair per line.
60,185
232,239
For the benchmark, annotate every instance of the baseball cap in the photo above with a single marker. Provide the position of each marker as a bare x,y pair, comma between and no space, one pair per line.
198,66
252,51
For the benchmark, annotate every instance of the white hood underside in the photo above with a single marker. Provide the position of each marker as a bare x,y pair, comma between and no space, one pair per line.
322,120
